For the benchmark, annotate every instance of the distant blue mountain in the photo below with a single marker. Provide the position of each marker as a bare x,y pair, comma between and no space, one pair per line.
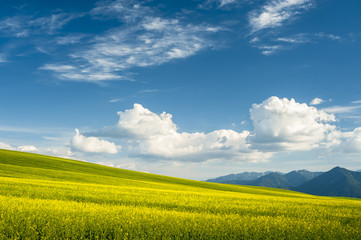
239,177
336,182
268,179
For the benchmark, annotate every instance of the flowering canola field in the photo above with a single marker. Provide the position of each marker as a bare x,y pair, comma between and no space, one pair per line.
44,197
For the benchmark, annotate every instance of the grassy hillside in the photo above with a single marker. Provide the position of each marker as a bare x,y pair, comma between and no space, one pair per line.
44,197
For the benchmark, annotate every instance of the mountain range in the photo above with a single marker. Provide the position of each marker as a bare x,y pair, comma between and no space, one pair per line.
336,182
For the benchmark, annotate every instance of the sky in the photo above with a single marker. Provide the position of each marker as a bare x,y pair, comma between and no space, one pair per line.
193,88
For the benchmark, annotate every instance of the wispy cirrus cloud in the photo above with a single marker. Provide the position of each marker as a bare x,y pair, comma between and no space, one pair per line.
218,3
342,109
351,112
77,73
142,39
70,39
276,13
272,44
273,15
24,26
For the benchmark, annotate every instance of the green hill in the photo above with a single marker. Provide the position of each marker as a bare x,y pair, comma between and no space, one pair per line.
44,197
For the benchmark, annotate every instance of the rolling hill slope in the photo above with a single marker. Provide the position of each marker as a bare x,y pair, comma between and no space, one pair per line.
44,197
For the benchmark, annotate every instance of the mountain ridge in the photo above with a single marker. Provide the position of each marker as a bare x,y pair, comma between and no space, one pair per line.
335,182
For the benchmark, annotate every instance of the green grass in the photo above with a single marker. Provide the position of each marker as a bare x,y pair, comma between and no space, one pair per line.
44,197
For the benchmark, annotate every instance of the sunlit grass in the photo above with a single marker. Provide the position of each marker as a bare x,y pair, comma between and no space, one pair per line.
51,198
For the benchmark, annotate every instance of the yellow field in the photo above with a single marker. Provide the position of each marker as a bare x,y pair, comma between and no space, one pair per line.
44,197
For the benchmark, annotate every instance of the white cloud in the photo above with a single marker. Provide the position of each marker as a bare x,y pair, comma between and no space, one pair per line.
27,148
351,141
254,40
264,41
6,146
276,12
142,39
282,124
158,24
316,101
297,39
218,3
328,36
226,2
115,100
344,142
24,26
148,91
341,109
13,25
70,39
140,123
53,22
92,144
57,68
155,135
269,50
279,125
220,144
68,72
63,152
89,77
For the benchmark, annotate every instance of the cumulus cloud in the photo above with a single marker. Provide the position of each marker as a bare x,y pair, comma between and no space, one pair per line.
6,146
156,135
283,124
276,12
27,148
350,142
279,124
92,144
220,144
139,123
316,101
344,142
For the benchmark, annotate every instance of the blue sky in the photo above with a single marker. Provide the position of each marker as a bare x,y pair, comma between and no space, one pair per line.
194,89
